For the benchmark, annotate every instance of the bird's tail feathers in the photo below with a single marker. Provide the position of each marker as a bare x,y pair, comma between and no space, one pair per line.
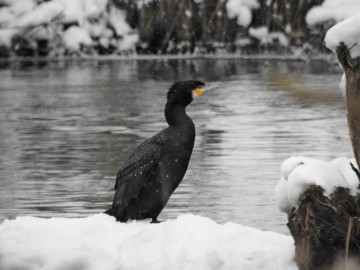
109,212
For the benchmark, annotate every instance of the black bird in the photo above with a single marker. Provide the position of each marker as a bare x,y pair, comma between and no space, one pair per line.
154,170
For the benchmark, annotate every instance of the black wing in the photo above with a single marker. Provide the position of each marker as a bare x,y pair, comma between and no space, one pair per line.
137,170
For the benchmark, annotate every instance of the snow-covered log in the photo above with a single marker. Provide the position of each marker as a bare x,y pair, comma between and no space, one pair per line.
322,202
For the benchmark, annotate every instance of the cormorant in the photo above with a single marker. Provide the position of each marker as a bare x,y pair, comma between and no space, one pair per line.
154,170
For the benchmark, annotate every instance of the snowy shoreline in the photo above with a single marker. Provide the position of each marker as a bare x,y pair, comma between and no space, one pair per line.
99,242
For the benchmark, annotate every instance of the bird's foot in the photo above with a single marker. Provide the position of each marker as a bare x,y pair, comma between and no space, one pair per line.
155,221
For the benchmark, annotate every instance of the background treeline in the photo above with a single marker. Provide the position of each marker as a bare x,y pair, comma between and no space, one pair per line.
187,26
173,26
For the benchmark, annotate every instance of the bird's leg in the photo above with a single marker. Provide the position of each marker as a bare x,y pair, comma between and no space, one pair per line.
154,220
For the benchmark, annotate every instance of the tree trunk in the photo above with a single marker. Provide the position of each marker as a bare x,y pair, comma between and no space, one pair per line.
351,68
326,230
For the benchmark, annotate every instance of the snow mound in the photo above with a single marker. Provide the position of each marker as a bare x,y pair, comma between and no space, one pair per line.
299,173
263,35
42,14
99,242
94,9
347,31
75,37
332,10
15,9
93,24
117,19
241,9
6,36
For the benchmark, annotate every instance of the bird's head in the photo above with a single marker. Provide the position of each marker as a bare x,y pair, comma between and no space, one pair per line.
183,92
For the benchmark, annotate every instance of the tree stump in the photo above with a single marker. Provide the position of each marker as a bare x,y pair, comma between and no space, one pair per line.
351,67
326,230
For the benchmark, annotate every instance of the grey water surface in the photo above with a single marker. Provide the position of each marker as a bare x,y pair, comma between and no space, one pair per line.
65,127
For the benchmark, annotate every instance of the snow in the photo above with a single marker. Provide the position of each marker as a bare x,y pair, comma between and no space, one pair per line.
332,10
99,242
263,35
16,9
299,173
343,85
42,14
241,9
93,23
75,36
8,14
118,21
94,9
73,12
188,13
347,31
259,33
128,42
6,36
19,7
141,3
78,11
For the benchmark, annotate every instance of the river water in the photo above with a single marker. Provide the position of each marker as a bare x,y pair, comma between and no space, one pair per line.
65,127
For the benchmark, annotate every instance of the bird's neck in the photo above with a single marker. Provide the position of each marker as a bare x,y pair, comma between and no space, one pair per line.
176,116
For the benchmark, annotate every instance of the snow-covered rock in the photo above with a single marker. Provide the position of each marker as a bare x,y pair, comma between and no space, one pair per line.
99,242
299,173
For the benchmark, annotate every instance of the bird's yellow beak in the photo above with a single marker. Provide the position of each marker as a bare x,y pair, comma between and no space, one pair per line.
199,90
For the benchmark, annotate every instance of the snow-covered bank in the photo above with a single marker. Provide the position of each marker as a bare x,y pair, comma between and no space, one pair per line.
63,27
299,173
98,242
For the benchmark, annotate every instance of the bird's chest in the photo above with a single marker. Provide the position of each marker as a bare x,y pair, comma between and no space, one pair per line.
182,138
180,142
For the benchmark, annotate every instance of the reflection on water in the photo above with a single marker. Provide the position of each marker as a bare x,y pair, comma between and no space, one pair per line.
65,128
